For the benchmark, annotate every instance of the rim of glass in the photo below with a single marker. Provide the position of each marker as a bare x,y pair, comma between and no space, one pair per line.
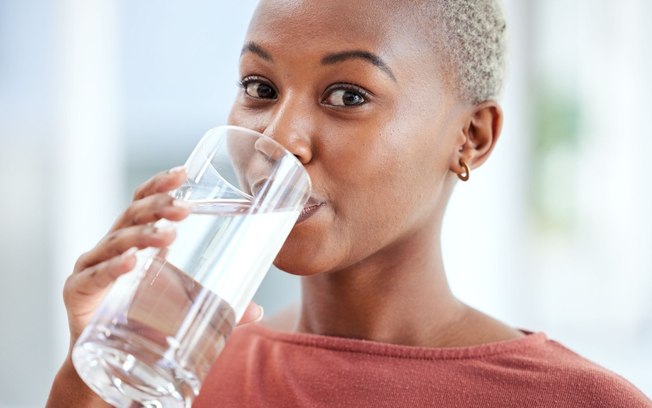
228,127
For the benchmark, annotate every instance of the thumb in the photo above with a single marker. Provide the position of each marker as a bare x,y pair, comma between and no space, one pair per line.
254,313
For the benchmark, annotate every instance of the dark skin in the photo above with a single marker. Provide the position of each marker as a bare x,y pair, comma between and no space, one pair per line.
369,115
356,93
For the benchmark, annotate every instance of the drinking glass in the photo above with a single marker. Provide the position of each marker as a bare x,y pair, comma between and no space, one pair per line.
162,325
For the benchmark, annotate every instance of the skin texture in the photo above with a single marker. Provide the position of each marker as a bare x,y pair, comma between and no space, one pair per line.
356,93
382,167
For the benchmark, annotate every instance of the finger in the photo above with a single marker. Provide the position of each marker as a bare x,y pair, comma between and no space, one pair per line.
91,282
253,313
84,292
150,209
161,183
116,243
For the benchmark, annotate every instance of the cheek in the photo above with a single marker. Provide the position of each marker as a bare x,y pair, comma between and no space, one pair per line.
248,118
391,182
375,185
381,168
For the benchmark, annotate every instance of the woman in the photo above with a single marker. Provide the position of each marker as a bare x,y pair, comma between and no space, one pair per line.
387,104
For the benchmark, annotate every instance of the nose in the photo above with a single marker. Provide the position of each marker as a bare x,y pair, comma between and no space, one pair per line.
269,149
290,127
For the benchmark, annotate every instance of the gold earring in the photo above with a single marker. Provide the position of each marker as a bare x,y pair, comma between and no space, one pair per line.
467,171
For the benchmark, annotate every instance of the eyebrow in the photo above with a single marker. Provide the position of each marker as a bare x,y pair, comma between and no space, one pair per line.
329,59
358,54
256,49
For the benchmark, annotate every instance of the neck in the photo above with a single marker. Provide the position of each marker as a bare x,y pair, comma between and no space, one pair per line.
399,295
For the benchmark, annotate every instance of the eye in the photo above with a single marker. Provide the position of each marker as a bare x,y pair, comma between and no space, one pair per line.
258,88
345,95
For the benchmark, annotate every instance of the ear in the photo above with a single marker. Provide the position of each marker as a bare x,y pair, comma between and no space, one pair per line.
480,135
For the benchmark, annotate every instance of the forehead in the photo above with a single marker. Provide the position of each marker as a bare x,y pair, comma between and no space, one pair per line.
389,28
309,18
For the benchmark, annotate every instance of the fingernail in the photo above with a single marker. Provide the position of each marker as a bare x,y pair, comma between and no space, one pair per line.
129,252
182,204
178,169
261,313
164,229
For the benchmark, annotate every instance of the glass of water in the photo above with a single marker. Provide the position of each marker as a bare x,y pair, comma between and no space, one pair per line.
162,325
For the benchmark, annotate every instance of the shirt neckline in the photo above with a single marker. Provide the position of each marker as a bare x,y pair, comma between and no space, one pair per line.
368,347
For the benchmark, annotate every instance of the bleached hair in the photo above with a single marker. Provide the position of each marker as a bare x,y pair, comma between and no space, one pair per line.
473,44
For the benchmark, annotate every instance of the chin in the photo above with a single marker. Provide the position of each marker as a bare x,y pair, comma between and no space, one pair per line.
296,264
306,251
299,257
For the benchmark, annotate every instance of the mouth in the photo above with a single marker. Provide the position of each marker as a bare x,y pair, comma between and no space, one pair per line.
312,206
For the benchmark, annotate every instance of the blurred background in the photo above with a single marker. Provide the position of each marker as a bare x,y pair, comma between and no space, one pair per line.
96,96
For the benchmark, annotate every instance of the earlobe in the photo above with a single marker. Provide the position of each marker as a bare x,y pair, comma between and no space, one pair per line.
466,173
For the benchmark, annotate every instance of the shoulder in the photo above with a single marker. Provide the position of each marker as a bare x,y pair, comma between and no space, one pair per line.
576,381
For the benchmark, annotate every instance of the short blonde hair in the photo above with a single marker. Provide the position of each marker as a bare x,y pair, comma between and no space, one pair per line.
473,44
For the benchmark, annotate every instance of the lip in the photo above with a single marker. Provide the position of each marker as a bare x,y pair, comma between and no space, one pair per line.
312,206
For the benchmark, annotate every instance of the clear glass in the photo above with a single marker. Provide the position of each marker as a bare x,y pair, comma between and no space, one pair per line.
162,325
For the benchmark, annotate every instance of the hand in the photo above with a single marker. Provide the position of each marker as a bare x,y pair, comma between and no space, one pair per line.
114,255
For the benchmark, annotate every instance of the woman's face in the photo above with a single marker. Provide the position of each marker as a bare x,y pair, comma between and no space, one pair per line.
353,89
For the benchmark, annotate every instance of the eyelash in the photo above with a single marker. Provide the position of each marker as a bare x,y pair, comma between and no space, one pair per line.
365,95
248,80
344,86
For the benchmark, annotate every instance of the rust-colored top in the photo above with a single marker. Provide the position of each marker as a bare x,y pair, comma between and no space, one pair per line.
264,368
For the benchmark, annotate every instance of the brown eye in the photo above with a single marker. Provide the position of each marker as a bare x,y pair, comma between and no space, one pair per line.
258,89
345,97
